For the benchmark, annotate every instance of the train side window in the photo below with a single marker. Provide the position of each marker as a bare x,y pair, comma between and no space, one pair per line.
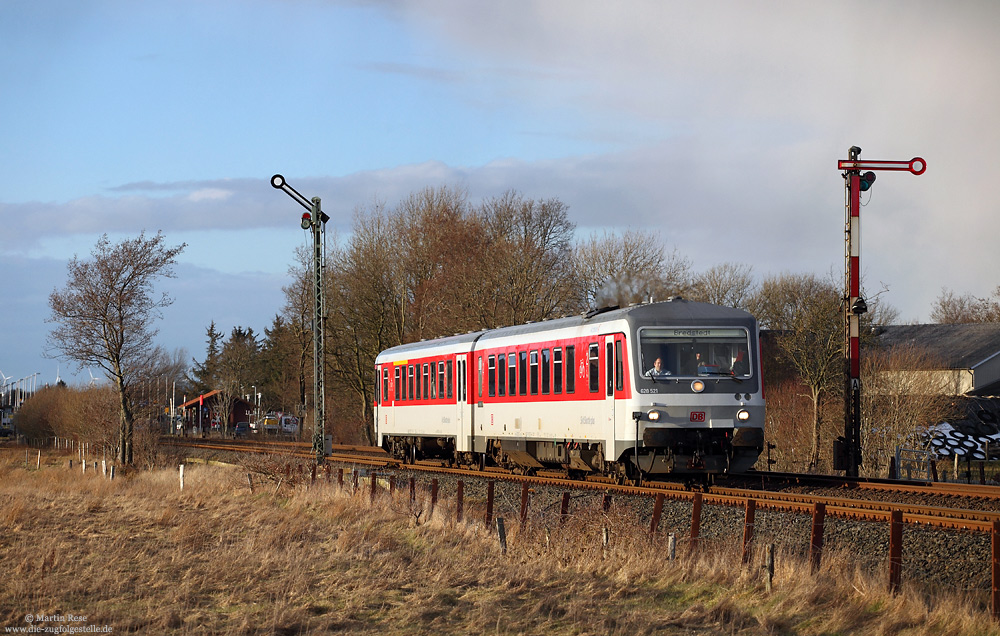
395,386
385,385
502,374
450,378
522,376
492,365
534,372
619,367
441,379
428,382
546,371
609,367
557,371
412,373
480,382
512,374
378,381
595,367
571,369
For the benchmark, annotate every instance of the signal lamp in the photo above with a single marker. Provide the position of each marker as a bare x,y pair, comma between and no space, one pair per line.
867,179
306,220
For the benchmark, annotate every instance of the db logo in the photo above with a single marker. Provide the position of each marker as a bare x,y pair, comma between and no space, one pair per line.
697,416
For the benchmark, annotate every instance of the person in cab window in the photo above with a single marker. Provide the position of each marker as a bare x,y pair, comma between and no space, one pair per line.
657,369
703,365
740,365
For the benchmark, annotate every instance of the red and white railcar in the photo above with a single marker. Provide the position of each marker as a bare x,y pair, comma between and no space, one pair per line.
661,388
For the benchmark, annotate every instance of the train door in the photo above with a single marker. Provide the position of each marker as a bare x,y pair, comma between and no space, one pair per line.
616,385
461,403
609,381
379,411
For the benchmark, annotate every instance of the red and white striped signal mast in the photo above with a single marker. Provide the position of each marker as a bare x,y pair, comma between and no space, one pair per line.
847,449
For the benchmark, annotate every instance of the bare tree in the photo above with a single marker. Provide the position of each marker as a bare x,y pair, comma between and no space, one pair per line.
806,313
952,309
368,303
528,263
729,284
632,267
104,315
904,397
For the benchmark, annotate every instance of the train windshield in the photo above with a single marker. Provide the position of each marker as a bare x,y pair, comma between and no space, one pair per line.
691,352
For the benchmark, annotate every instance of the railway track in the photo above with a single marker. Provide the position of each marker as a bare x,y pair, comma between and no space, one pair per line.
971,507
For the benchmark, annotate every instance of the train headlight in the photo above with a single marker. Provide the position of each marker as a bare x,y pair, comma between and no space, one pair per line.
653,416
698,386
743,415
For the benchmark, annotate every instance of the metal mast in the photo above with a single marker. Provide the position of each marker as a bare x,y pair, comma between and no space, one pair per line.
315,219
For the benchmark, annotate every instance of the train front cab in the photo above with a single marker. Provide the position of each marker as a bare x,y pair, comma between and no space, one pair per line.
703,411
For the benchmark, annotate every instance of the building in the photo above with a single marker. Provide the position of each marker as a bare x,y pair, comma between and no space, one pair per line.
967,355
211,416
965,364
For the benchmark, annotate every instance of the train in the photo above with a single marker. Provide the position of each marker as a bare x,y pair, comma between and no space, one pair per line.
661,389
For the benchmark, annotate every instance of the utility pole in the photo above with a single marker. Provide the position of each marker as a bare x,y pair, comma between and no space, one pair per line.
315,219
847,449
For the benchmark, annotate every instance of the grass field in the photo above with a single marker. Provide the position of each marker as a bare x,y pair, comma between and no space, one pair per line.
138,555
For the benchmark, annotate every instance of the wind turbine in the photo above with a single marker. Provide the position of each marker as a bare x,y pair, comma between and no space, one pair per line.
3,387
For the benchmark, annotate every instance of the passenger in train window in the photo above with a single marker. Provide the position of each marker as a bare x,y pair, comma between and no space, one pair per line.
657,369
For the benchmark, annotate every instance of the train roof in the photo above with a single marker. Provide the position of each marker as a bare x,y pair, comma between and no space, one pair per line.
670,312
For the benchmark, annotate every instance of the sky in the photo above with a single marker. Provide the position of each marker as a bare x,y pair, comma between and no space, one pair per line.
716,126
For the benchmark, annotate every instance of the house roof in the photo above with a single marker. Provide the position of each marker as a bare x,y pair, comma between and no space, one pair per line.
960,346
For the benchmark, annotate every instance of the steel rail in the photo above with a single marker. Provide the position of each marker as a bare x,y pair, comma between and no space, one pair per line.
837,507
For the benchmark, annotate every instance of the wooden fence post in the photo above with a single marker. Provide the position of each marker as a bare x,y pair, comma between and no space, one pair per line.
657,512
182,475
502,535
489,503
748,530
458,501
895,550
564,508
695,521
524,505
434,497
769,566
374,487
995,570
816,541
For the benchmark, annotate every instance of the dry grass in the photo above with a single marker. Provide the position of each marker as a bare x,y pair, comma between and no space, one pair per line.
142,557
